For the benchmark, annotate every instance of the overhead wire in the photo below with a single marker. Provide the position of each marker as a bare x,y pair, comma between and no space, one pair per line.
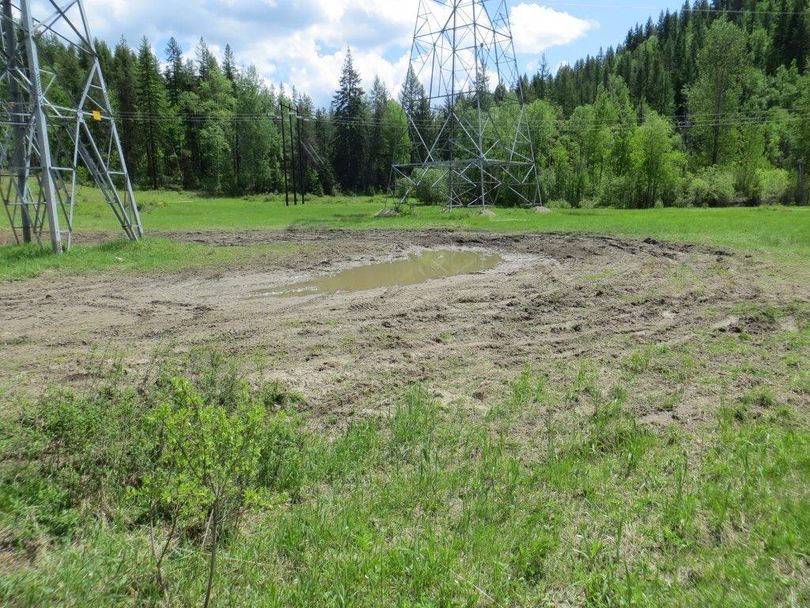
761,116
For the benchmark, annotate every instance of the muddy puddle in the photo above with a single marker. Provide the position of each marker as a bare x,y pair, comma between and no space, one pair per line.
415,269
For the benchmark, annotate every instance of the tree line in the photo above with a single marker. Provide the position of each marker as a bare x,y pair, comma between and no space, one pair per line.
708,105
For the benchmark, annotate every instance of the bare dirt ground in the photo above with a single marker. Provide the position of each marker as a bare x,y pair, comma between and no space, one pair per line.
557,302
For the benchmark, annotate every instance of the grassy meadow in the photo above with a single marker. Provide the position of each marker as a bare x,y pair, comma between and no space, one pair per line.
196,485
777,231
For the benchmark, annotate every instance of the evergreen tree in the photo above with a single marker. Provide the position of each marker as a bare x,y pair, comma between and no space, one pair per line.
176,76
105,57
350,112
414,102
123,82
229,64
206,62
540,80
377,154
152,110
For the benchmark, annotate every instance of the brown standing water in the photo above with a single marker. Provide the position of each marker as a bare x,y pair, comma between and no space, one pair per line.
415,269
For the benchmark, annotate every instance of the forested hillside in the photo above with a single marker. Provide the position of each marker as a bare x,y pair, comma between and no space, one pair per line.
709,105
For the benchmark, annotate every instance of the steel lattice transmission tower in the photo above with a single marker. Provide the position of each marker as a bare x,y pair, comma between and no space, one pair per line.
477,137
49,133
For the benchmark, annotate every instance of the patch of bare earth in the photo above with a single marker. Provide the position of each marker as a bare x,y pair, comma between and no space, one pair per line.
556,302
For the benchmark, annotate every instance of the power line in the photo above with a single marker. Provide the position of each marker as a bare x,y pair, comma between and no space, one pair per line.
684,120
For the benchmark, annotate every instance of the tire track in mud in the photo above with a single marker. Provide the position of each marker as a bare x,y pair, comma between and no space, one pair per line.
557,297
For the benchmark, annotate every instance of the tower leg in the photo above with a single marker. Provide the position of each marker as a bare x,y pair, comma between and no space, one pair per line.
40,126
19,172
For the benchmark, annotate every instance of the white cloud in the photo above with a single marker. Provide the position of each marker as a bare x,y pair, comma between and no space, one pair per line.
536,28
303,42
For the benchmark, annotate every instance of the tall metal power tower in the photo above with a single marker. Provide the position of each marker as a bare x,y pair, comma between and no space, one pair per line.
50,134
476,136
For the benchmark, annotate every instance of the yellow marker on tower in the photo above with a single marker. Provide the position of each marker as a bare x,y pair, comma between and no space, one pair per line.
96,115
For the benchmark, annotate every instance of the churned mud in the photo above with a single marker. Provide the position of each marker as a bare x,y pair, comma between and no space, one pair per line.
552,302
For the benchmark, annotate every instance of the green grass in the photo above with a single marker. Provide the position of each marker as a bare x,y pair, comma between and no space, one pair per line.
785,229
149,255
783,232
431,507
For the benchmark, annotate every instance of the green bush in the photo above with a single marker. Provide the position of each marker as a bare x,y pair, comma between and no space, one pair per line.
74,455
618,192
431,188
170,452
712,186
773,185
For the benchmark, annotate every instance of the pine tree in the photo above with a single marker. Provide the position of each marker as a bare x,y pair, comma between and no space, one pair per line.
377,155
206,62
416,105
540,81
229,64
152,112
123,82
350,113
105,57
175,71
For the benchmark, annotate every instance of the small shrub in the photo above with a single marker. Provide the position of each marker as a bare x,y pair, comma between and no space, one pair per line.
128,455
712,186
774,185
431,186
558,204
618,192
208,458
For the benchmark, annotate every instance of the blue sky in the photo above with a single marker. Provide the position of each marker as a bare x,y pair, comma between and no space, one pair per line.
615,17
302,42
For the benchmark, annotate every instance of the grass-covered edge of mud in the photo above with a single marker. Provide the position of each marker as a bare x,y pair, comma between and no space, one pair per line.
557,495
152,254
781,233
171,252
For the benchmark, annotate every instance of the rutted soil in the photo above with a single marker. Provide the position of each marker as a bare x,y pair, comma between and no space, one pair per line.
557,300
